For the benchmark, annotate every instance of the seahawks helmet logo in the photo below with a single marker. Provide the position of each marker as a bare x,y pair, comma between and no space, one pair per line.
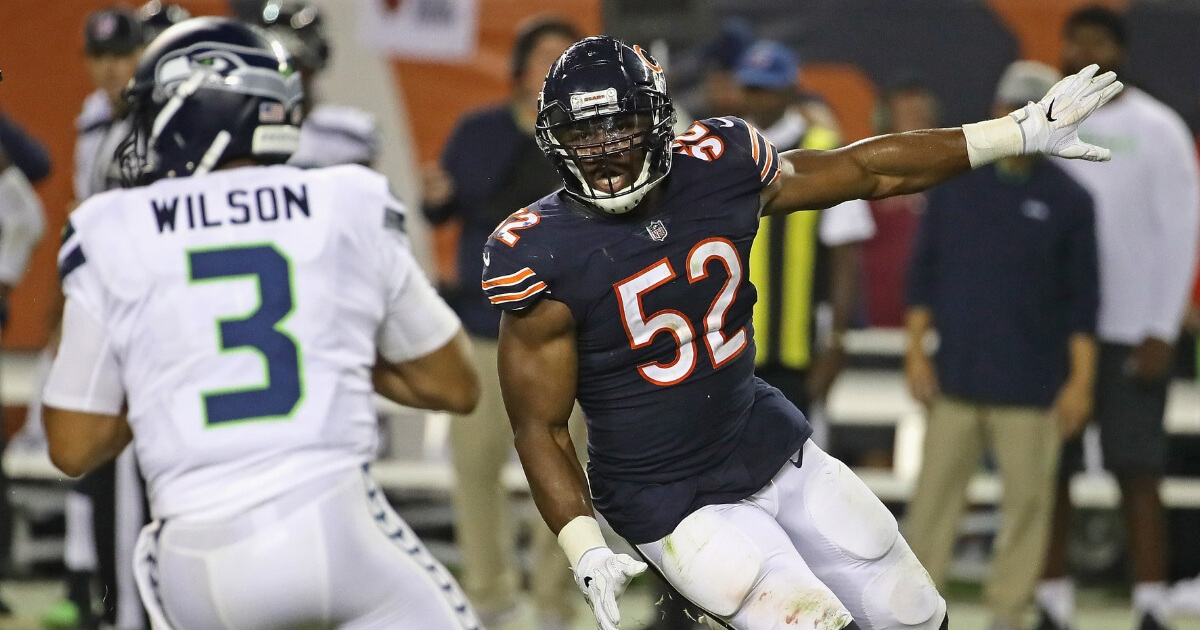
224,66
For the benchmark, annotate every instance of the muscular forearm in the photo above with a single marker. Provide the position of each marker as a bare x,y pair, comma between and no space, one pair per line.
555,475
877,167
910,162
442,380
80,442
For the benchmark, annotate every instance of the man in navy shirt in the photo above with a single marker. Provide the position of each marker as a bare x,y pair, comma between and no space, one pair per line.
1004,268
628,290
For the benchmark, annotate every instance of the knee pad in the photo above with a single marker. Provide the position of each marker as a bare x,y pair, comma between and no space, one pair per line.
845,511
904,592
711,562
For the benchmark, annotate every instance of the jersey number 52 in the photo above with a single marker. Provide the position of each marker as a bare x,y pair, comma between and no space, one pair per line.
642,329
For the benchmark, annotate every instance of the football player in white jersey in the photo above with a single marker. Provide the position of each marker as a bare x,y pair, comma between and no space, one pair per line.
330,134
232,318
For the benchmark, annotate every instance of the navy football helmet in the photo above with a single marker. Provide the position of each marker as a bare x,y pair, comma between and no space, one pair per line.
605,118
299,26
158,16
207,91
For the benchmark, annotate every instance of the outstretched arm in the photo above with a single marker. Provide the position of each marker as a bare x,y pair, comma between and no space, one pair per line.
909,162
878,167
538,363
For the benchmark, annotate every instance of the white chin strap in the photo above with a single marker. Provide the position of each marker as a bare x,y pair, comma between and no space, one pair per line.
621,201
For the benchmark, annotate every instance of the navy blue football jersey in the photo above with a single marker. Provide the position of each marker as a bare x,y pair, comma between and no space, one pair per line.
662,307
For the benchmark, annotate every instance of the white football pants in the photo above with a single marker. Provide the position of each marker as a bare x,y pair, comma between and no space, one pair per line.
330,554
813,549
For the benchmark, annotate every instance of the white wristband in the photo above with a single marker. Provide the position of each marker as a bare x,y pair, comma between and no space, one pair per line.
991,140
579,536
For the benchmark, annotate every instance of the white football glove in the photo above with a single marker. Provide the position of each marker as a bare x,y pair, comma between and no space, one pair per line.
602,576
1051,125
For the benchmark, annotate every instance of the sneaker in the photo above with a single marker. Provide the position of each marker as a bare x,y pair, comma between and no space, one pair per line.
1046,621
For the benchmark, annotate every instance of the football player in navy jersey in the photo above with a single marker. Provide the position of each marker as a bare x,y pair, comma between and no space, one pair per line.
627,290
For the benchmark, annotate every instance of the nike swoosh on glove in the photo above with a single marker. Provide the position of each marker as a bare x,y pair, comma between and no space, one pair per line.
602,576
1051,125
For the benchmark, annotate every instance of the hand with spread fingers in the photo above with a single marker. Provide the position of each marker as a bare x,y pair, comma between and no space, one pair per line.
1051,125
602,576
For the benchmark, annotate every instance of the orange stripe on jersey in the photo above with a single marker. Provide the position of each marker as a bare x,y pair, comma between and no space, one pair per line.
513,297
769,162
509,280
753,142
778,172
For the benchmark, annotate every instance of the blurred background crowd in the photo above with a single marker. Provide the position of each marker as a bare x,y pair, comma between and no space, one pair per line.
1008,360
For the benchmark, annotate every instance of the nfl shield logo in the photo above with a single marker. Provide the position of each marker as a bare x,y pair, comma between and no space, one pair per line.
657,230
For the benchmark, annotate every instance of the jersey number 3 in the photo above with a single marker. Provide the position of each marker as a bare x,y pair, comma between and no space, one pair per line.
259,330
642,329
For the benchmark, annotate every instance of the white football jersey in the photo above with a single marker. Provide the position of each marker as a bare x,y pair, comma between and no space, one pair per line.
244,310
336,134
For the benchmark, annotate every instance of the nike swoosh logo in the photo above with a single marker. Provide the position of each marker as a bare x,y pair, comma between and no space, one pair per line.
1050,111
725,122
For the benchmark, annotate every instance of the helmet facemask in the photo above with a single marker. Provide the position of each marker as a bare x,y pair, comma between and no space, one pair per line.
609,154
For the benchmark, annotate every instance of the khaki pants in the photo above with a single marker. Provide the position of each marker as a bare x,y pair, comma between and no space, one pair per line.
1026,446
482,443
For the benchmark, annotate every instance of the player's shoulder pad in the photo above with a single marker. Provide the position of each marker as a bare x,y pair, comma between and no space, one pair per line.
345,119
336,134
88,218
518,261
368,192
734,140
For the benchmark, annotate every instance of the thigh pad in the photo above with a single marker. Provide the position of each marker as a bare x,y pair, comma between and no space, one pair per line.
847,513
711,562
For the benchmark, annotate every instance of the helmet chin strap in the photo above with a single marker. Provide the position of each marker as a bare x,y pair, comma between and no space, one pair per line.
621,201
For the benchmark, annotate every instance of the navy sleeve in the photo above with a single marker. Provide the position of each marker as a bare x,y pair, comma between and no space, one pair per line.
733,141
1083,275
70,253
517,270
922,266
25,152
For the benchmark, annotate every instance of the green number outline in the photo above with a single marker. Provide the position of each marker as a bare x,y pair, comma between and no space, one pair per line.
278,327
